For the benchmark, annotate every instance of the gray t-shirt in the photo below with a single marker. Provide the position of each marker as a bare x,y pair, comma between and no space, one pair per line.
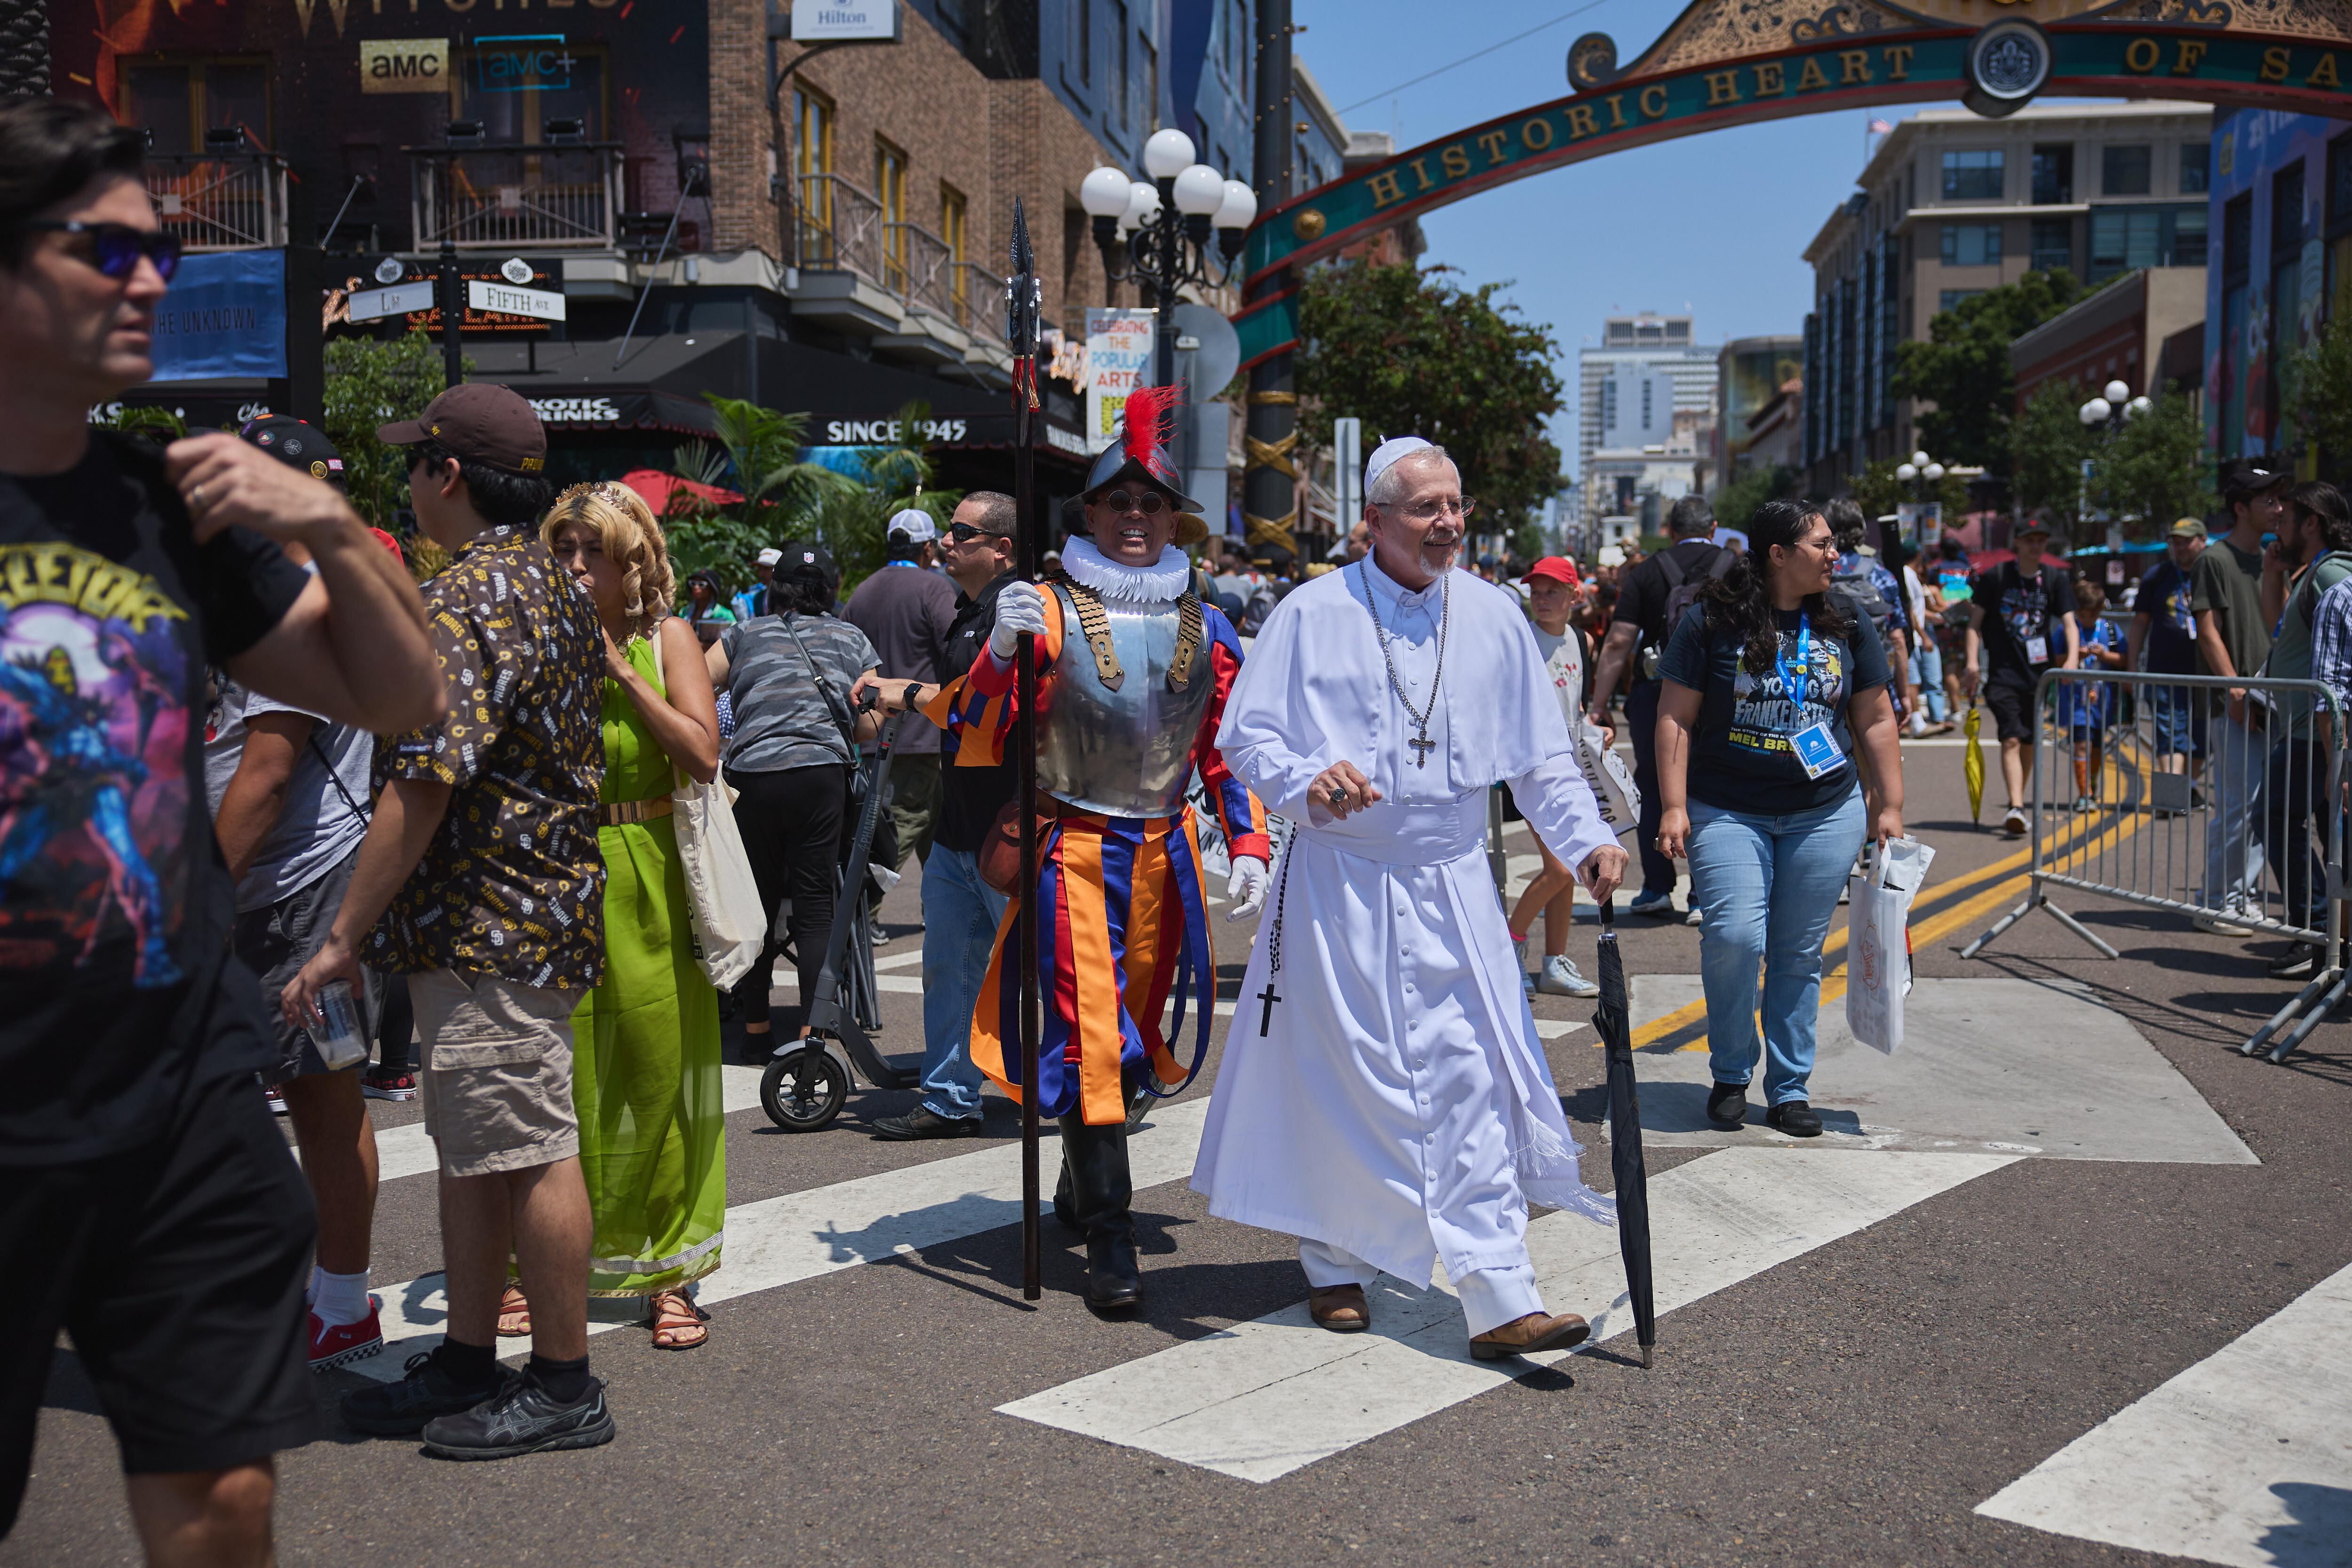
905,612
781,718
318,825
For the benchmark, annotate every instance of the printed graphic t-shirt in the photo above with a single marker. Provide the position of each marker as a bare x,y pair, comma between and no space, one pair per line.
1741,759
115,907
2016,611
512,883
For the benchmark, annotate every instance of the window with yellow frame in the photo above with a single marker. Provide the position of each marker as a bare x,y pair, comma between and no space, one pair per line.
177,99
812,158
954,223
890,191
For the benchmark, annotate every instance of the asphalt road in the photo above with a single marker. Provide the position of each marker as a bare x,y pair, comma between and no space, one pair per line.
1854,1403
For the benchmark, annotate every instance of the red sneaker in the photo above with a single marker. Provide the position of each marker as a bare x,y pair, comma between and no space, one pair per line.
346,1342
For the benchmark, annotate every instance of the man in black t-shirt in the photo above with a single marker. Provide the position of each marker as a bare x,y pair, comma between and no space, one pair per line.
142,1180
960,913
2023,623
1638,634
2164,629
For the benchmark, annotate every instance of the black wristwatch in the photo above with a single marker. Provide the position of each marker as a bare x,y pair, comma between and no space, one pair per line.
913,687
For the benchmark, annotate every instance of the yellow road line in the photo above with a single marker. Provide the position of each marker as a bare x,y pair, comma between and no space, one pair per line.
1924,932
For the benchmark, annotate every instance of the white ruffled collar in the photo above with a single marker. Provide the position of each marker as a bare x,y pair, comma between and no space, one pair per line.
1162,581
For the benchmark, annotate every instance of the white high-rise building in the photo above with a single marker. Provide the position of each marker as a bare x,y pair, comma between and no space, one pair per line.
1647,419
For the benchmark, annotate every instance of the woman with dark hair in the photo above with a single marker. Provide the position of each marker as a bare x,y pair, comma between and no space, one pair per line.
787,676
1769,682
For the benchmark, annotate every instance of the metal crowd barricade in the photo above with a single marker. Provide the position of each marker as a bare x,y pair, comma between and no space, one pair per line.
2142,788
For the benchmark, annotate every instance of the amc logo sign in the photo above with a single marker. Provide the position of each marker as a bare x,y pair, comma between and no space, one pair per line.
404,65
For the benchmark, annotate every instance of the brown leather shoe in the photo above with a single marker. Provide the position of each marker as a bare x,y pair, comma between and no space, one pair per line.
1526,1336
1341,1309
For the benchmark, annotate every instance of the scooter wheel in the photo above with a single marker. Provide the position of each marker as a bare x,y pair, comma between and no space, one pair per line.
780,1095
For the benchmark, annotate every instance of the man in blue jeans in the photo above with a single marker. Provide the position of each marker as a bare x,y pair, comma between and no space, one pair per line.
960,913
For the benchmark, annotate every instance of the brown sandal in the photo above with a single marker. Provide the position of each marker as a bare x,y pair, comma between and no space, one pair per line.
514,1314
673,1315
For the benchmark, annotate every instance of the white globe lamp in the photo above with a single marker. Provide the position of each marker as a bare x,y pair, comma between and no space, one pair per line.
1166,153
1103,193
1200,191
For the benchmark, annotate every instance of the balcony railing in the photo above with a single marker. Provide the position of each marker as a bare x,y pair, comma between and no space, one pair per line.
839,228
233,200
502,198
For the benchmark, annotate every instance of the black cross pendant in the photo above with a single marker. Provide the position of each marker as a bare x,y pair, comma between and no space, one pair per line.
1265,1015
1422,746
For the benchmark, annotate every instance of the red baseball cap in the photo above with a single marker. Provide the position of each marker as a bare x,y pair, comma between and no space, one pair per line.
1559,568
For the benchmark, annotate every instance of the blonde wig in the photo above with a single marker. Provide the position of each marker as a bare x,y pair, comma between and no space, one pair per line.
624,528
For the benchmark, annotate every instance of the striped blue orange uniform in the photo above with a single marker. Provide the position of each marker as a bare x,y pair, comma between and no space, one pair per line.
1122,918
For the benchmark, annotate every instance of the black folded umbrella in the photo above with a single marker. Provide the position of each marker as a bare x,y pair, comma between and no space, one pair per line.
1614,1023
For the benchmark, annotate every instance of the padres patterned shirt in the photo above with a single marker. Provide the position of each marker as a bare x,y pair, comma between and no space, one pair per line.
512,882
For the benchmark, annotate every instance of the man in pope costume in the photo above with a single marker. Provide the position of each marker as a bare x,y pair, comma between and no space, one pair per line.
1382,1097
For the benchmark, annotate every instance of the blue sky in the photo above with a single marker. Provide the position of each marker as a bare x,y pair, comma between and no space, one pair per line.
1714,223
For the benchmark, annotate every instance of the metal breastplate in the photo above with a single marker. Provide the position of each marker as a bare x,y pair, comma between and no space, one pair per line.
1123,752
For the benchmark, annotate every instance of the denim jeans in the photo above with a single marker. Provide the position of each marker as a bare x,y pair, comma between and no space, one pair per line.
1927,675
961,914
1769,887
2295,803
2238,758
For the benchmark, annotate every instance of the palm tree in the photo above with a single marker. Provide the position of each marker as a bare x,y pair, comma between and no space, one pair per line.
775,495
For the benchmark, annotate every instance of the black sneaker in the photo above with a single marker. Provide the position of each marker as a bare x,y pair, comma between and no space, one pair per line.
1795,1118
2301,962
1726,1107
521,1418
400,1409
924,1123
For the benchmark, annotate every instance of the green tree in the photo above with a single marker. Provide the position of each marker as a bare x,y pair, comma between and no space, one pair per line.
372,382
2152,470
1737,501
1963,368
1878,492
2315,389
1408,352
2047,446
757,454
852,523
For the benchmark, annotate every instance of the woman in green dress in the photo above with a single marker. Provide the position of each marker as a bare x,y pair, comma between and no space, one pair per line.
647,1080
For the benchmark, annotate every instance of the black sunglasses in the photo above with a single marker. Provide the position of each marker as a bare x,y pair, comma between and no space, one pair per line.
115,247
1149,504
965,532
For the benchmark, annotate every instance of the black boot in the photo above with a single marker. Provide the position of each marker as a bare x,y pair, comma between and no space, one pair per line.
1101,1192
1065,1203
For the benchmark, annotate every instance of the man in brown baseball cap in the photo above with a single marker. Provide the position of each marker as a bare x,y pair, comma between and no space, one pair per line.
476,422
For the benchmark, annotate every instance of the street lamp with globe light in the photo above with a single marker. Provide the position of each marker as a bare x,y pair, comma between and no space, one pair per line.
2104,415
1166,222
1922,473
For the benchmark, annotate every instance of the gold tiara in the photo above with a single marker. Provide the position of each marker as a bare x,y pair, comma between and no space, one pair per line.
618,495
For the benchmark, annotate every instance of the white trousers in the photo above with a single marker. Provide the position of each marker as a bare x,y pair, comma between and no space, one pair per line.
1490,1297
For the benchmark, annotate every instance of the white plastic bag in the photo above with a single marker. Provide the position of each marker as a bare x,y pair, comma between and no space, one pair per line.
1879,945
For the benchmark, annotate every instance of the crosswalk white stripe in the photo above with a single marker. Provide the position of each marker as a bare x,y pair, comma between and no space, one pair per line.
781,1240
2244,1458
405,1151
1266,1397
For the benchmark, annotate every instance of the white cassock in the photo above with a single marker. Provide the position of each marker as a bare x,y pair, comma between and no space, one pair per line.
1392,1105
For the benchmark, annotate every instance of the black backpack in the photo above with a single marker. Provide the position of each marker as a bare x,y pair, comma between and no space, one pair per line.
1683,591
1869,603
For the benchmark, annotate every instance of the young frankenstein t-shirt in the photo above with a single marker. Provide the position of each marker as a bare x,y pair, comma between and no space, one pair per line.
115,904
1742,756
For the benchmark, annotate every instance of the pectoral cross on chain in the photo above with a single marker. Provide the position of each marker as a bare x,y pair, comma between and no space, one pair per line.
1265,1016
1422,746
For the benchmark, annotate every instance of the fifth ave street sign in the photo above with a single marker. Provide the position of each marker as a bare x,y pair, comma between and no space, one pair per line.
509,300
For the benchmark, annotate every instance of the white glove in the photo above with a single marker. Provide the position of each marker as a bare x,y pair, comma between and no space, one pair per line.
1246,887
1020,607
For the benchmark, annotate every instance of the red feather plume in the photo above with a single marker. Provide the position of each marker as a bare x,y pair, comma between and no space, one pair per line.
1151,417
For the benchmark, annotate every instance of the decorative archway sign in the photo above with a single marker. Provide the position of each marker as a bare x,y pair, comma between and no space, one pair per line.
1725,63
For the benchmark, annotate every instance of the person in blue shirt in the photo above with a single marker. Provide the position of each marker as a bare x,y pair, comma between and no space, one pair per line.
753,602
2085,711
1877,593
2162,639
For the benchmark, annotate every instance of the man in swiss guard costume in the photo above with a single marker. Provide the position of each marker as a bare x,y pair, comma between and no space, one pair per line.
1382,1096
1133,671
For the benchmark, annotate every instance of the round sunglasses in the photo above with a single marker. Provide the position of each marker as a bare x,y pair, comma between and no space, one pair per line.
114,248
1149,502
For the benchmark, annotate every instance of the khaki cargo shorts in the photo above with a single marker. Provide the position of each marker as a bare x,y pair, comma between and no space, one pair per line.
497,1080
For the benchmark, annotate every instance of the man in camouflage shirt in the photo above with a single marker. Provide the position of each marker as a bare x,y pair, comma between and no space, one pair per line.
482,863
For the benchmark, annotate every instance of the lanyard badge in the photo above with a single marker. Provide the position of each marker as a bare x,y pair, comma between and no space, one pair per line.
1815,748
